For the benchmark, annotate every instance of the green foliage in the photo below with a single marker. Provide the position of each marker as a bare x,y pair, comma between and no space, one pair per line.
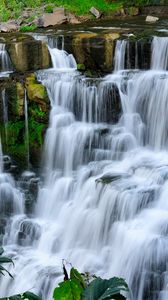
35,133
81,67
49,9
77,288
14,129
4,260
102,289
26,296
13,8
82,7
68,290
74,274
26,28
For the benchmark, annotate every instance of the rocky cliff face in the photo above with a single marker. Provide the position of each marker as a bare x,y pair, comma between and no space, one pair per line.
95,55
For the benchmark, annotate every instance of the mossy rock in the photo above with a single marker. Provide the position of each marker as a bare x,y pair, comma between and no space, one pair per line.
36,92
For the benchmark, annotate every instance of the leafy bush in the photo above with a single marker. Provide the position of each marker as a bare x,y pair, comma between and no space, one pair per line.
77,287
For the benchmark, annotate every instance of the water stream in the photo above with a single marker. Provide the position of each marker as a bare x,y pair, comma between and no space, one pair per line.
5,113
103,204
26,129
5,62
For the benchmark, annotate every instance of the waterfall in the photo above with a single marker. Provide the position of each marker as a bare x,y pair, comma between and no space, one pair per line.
159,53
1,158
5,62
119,57
61,60
5,113
26,129
103,204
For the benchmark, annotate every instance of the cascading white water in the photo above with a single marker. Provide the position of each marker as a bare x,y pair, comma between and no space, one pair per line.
160,53
120,53
5,113
5,62
60,58
26,129
1,158
103,206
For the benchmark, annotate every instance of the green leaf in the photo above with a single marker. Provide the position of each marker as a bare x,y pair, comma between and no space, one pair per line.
5,270
5,260
102,289
31,296
26,295
68,290
16,297
74,274
1,250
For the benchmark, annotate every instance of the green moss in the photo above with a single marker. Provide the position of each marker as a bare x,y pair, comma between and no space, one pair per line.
26,28
81,67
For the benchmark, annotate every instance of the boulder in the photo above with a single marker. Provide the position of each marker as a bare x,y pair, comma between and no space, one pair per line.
94,11
9,26
72,19
151,19
29,55
58,17
36,91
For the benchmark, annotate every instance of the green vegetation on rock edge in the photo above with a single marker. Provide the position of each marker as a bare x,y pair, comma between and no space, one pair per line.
13,8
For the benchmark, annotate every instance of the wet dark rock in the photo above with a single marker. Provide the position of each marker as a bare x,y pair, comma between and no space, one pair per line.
7,162
111,104
3,223
161,10
92,50
30,184
106,179
29,232
29,55
26,178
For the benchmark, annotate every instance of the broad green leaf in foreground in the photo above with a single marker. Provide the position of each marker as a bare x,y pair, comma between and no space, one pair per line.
68,290
74,274
26,295
102,289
